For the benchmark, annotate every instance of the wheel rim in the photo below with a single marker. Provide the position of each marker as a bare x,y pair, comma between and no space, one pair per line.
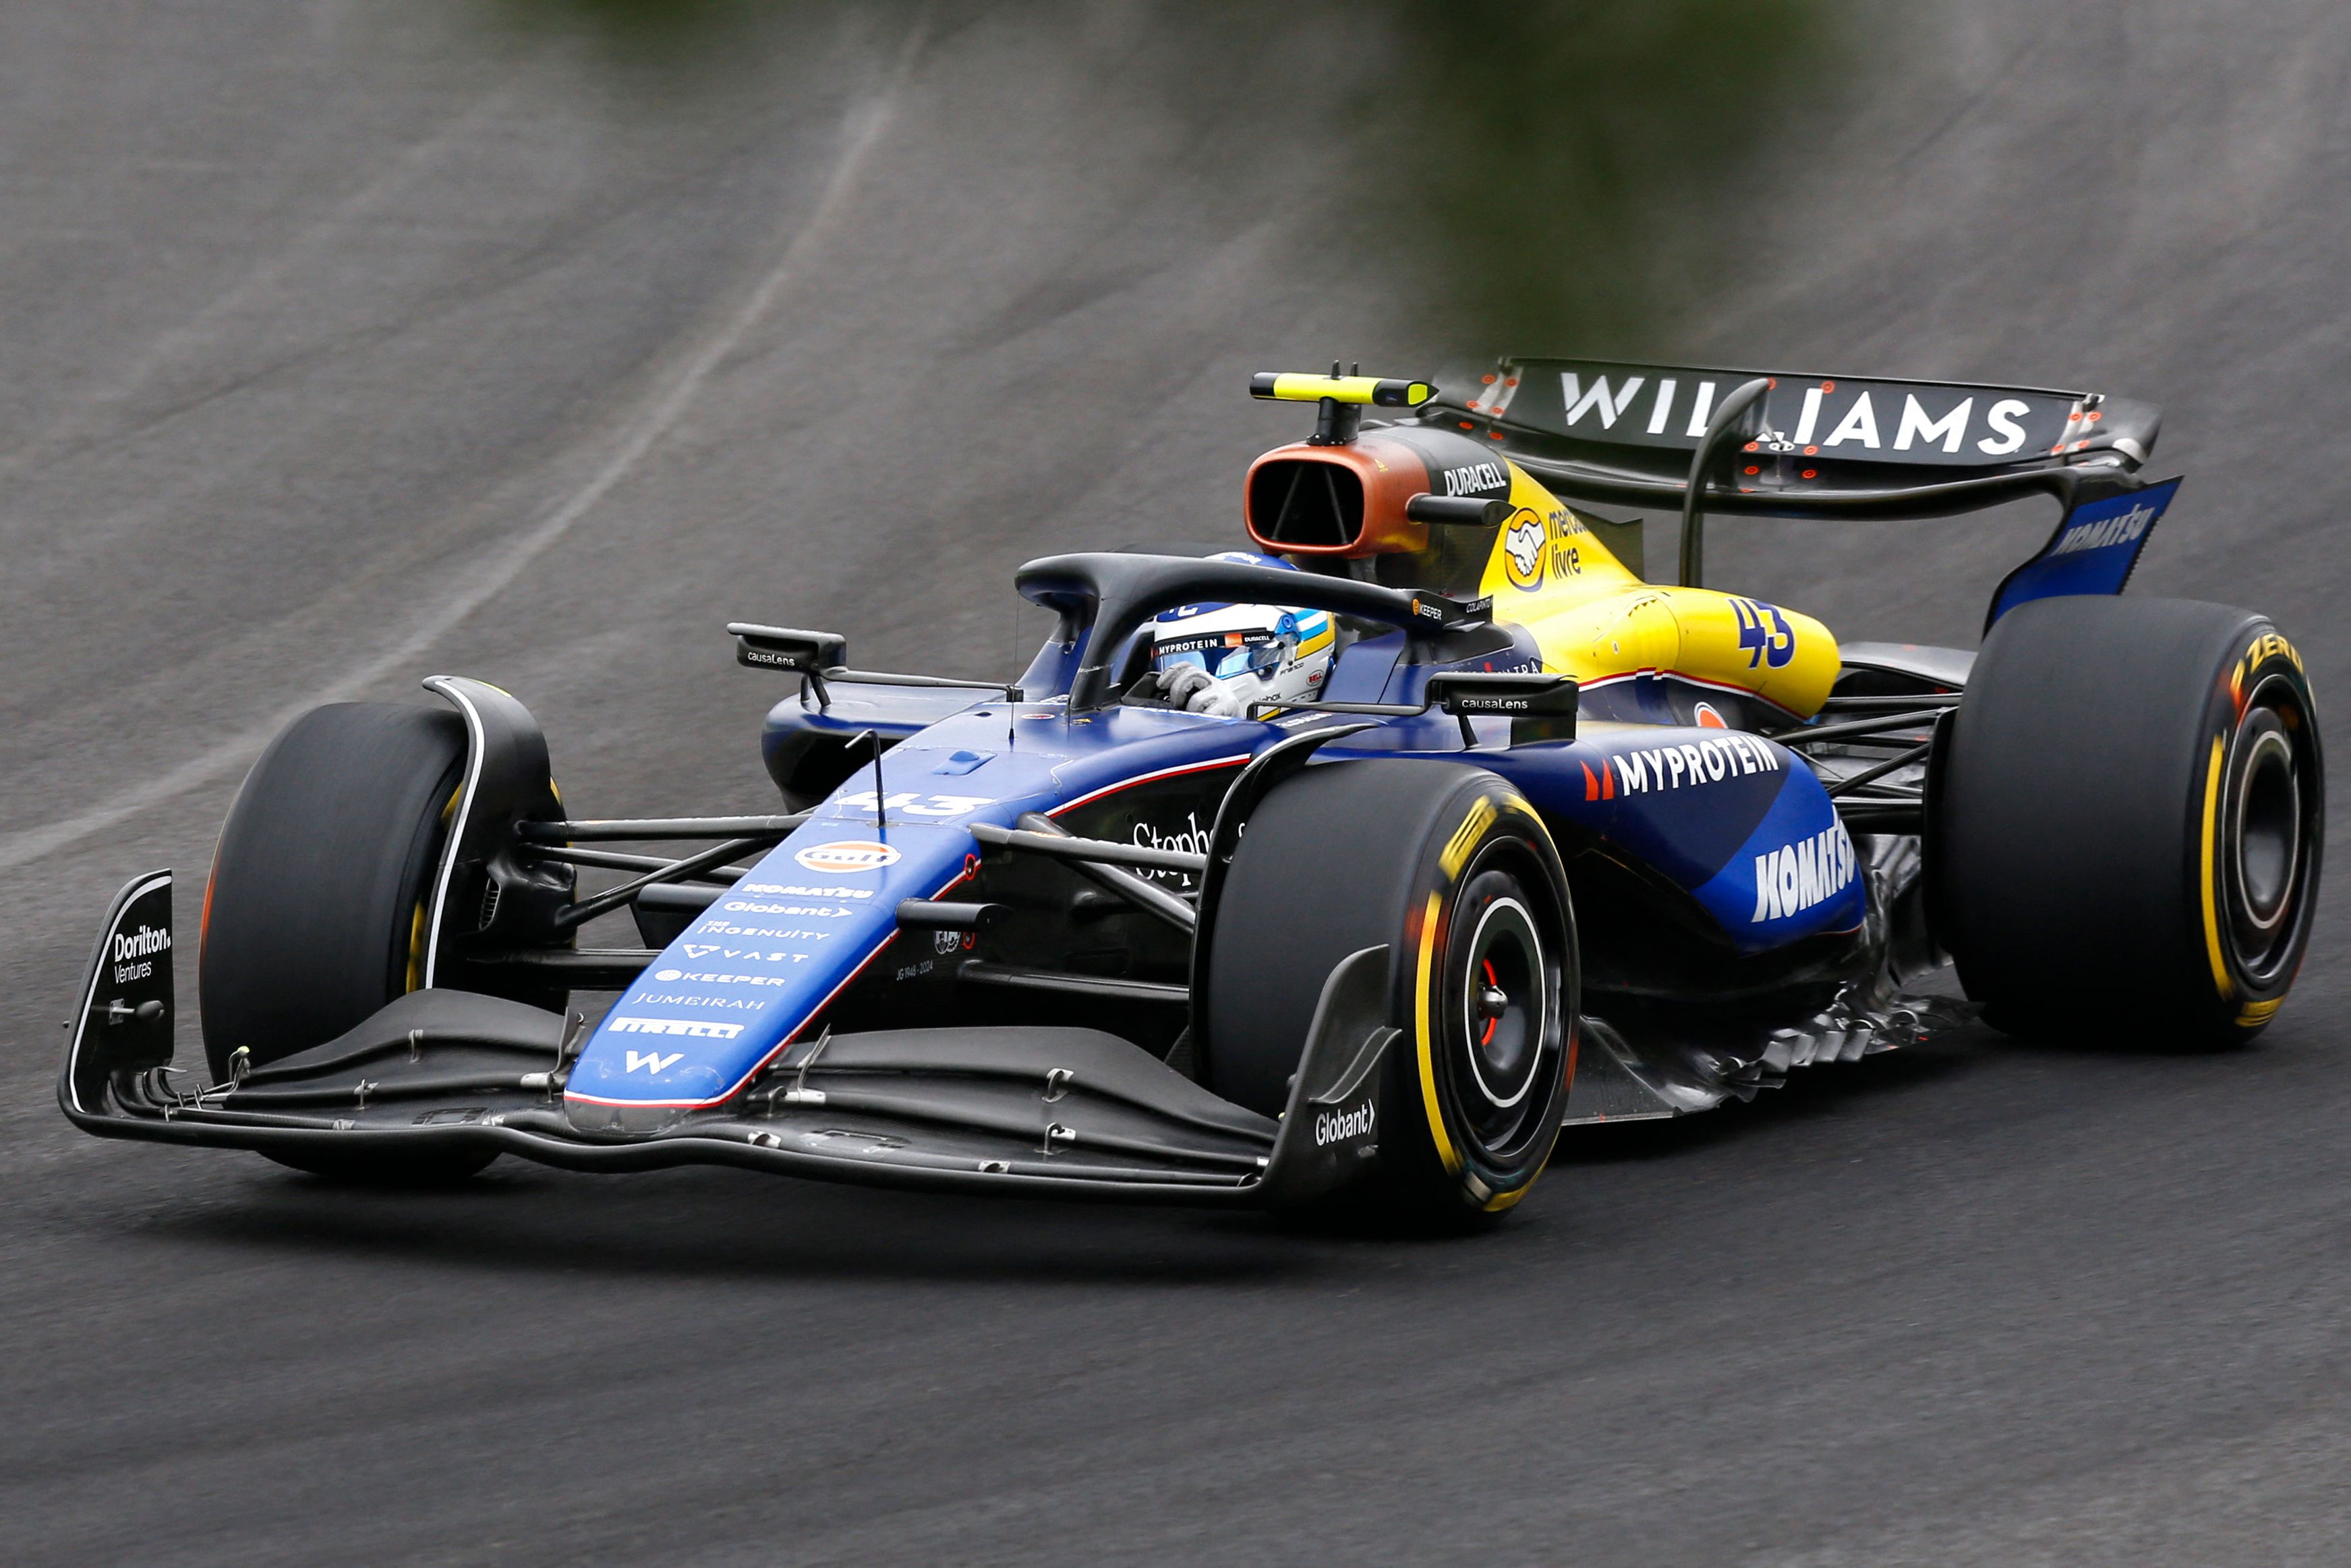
2267,829
1503,1002
1502,1023
2270,834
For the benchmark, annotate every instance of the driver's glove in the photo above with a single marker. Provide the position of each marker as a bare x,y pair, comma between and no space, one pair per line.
1215,700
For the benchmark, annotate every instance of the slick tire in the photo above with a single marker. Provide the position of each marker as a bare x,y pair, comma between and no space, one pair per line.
315,915
1452,870
2125,823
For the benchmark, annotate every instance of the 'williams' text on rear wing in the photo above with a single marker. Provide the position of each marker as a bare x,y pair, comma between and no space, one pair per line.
1828,446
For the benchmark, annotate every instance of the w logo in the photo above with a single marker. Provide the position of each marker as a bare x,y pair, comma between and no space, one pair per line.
1608,402
653,1059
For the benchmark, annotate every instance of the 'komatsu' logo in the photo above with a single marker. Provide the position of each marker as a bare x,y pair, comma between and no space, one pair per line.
2106,531
1793,878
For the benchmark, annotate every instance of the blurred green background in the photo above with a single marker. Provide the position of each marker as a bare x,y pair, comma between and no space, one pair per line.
1540,175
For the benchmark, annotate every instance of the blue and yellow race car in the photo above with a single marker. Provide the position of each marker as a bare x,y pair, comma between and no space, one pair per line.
1339,871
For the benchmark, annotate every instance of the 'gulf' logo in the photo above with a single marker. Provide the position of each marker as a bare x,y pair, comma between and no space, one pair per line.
848,855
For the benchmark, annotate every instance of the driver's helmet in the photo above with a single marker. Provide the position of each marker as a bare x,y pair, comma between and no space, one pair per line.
1242,654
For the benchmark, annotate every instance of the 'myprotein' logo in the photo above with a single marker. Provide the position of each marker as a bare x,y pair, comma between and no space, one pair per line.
1694,762
1796,877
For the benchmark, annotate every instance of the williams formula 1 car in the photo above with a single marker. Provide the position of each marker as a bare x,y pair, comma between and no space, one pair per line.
1341,873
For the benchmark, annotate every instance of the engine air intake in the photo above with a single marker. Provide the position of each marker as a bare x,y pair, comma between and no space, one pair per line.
1297,503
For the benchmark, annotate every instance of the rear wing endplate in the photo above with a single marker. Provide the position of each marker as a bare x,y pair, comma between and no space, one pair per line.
2094,549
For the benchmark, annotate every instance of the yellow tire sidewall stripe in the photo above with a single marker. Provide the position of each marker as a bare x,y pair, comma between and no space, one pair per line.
2220,980
1422,1022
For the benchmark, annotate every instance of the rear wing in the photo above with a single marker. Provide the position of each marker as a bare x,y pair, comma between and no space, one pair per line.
1700,440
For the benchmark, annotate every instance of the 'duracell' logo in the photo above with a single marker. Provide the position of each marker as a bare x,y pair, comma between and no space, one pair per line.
847,856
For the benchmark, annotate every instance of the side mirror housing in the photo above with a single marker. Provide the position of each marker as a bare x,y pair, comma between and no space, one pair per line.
1540,707
785,648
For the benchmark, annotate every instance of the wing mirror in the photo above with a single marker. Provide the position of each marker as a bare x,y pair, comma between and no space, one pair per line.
783,648
1540,706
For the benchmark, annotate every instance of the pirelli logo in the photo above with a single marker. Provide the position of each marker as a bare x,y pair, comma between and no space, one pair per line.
2270,644
2267,645
1465,837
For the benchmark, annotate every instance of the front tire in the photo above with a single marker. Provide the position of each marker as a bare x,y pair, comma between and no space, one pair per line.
315,916
2128,822
1453,870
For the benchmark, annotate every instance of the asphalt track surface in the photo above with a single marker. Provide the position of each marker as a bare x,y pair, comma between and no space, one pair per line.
340,344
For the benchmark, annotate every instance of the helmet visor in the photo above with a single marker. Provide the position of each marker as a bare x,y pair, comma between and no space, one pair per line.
1225,655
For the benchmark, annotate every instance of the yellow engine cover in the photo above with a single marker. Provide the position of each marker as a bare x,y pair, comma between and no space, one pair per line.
1597,622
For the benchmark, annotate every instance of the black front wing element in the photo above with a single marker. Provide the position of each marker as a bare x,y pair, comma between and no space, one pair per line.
1068,1112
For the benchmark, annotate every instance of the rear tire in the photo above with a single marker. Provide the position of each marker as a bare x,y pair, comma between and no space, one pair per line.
1450,868
2128,822
316,914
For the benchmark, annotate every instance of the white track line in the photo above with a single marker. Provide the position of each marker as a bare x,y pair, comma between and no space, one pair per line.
861,133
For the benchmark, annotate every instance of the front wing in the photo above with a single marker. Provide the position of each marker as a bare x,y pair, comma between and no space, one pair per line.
1065,1112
